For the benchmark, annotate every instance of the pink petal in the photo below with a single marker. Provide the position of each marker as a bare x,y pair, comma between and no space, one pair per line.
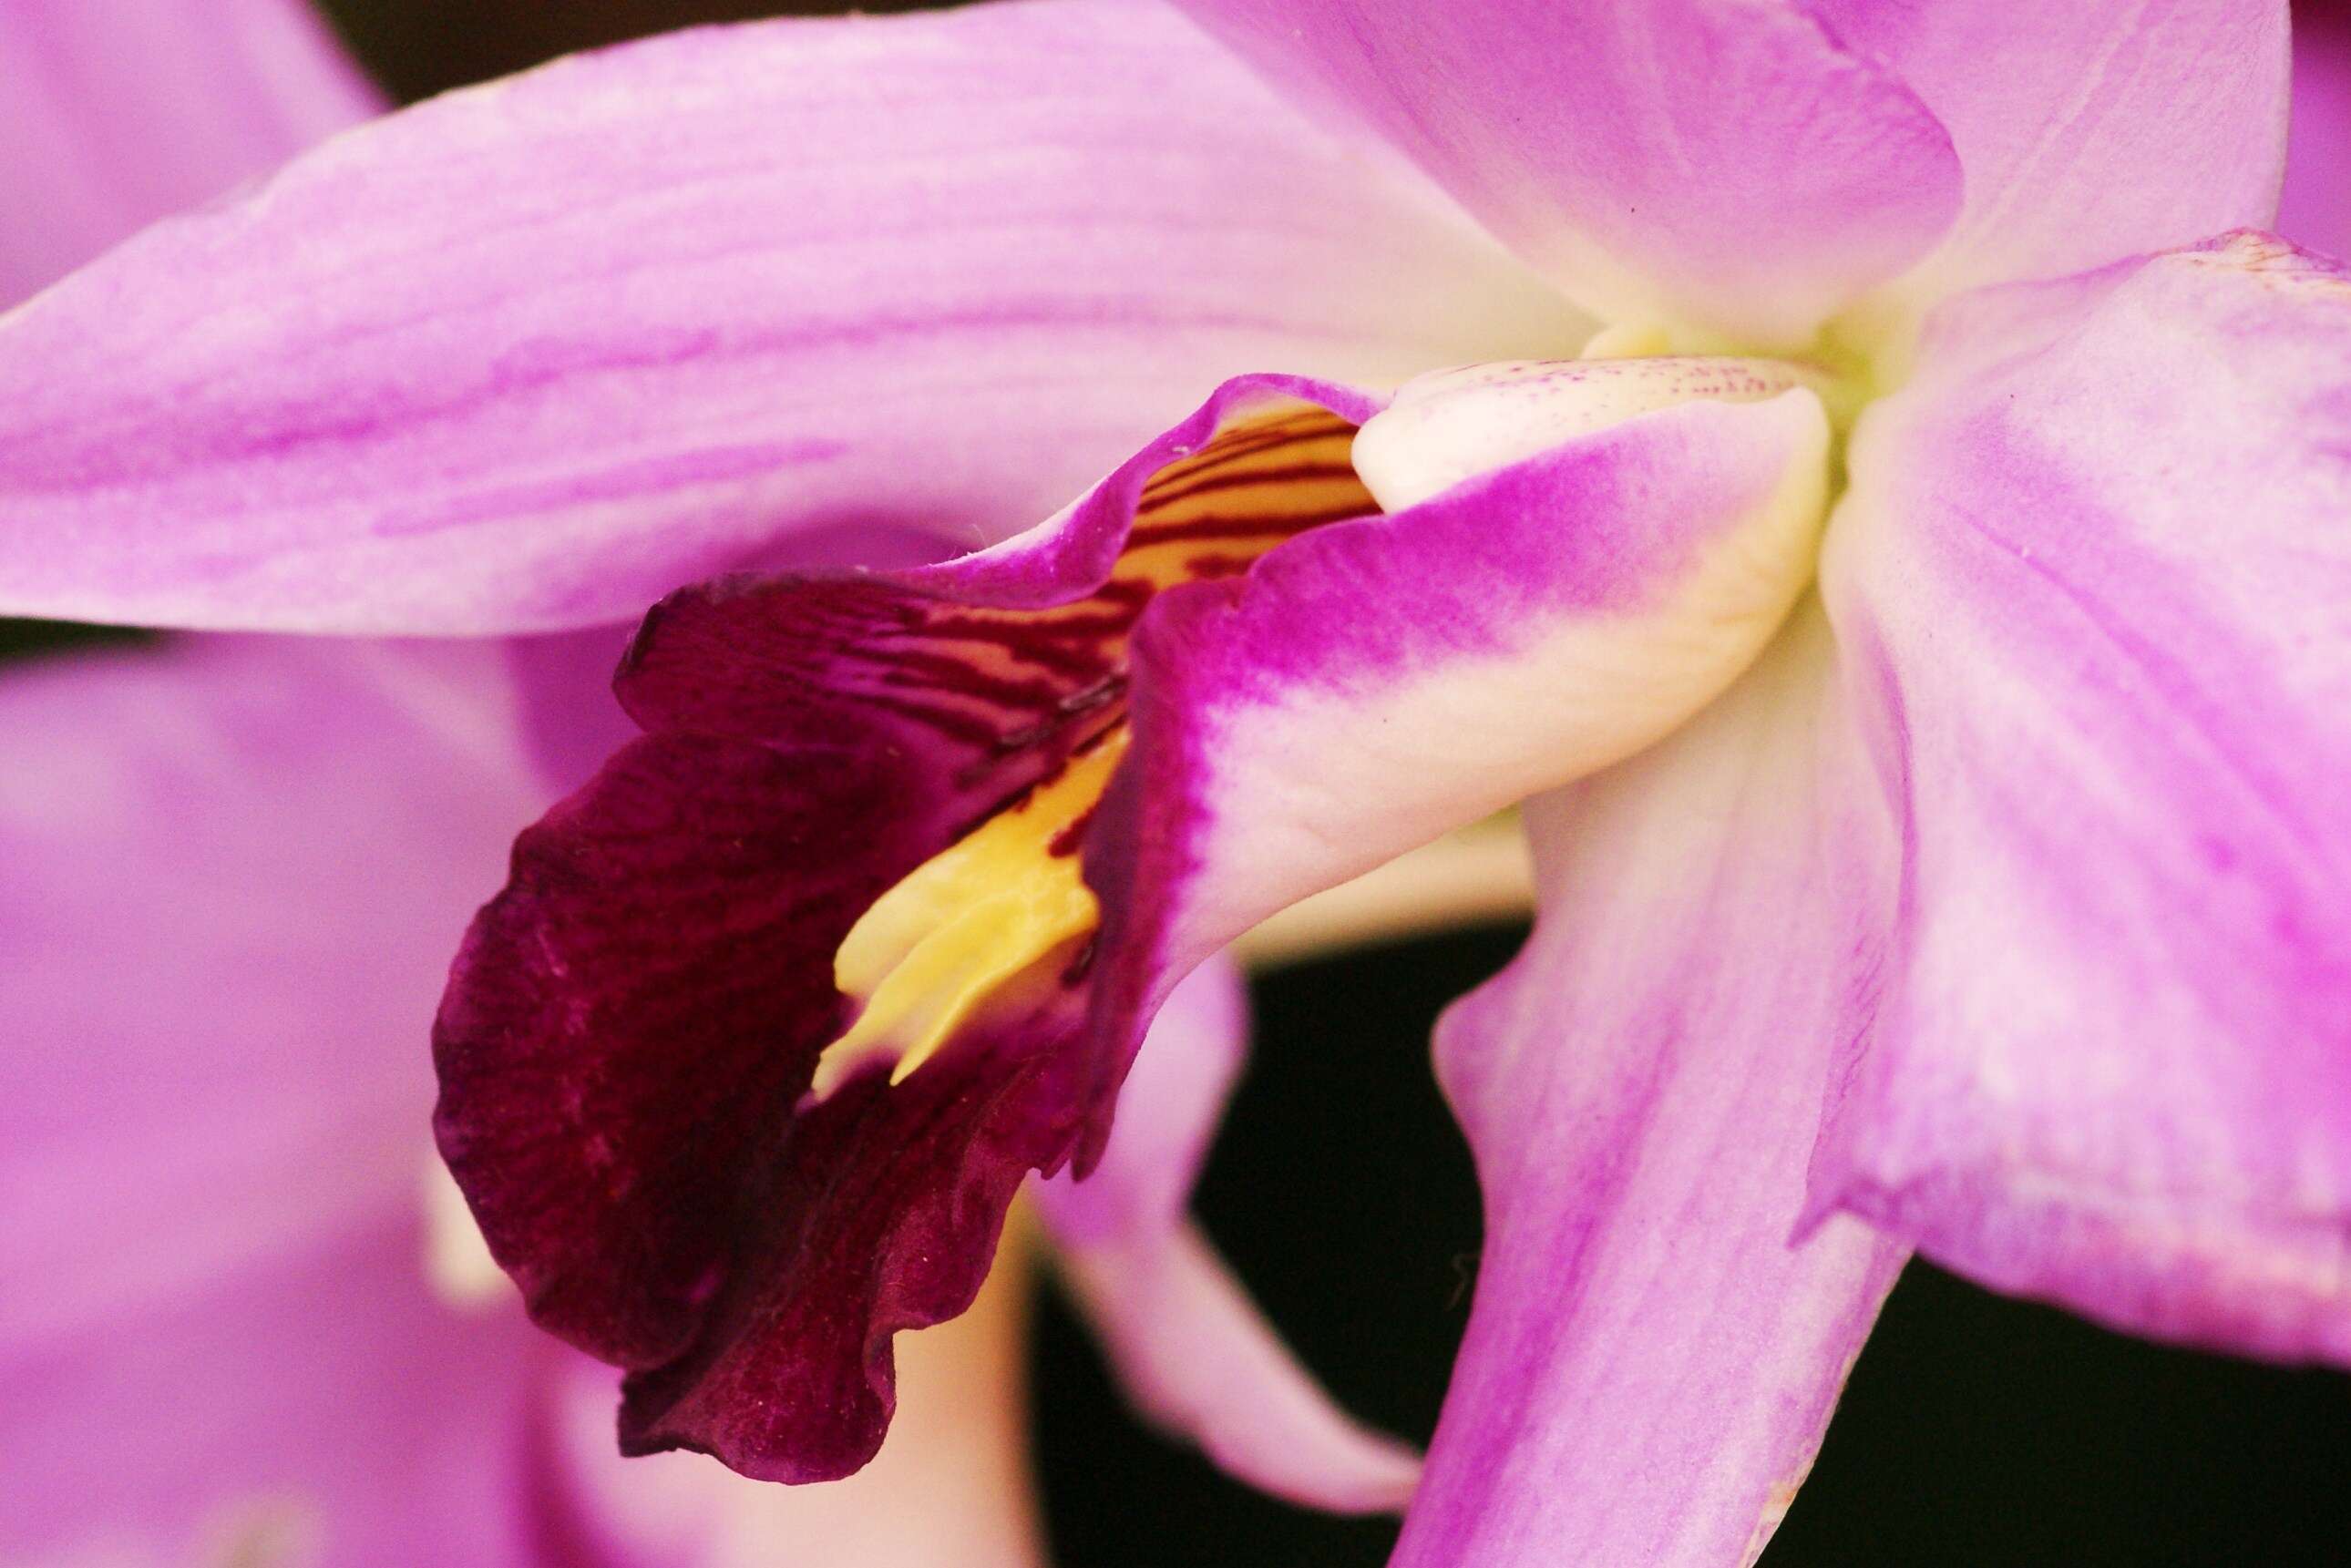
2096,578
1200,1360
697,294
1181,1080
318,1398
1372,685
1726,162
231,872
1196,1355
2315,208
201,844
1650,1360
2091,129
233,868
119,112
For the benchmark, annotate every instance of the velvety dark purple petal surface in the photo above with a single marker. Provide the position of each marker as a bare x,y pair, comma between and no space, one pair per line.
633,1023
119,112
882,1213
2094,579
1651,1357
528,356
665,914
950,1488
1726,163
563,680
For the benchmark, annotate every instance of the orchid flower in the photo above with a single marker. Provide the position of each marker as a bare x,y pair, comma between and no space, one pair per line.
1883,538
237,1321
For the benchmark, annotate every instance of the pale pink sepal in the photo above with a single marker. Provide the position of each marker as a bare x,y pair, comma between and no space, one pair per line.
2095,580
1652,1356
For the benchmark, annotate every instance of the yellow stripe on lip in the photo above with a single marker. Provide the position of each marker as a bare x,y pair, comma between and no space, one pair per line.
1005,910
969,922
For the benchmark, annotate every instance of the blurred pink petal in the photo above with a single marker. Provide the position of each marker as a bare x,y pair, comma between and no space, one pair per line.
1183,1076
119,112
230,870
202,843
2094,580
318,1403
1200,1360
1196,1355
226,867
1649,1363
1725,163
699,293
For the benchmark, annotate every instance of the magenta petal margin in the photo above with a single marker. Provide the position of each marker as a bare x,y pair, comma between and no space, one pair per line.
2314,207
1374,684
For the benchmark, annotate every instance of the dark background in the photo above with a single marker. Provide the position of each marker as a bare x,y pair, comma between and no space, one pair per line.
1976,1431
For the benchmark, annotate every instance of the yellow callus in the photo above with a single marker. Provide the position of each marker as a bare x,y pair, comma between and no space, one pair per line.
967,923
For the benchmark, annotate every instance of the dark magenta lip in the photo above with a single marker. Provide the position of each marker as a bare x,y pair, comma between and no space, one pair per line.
630,1029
